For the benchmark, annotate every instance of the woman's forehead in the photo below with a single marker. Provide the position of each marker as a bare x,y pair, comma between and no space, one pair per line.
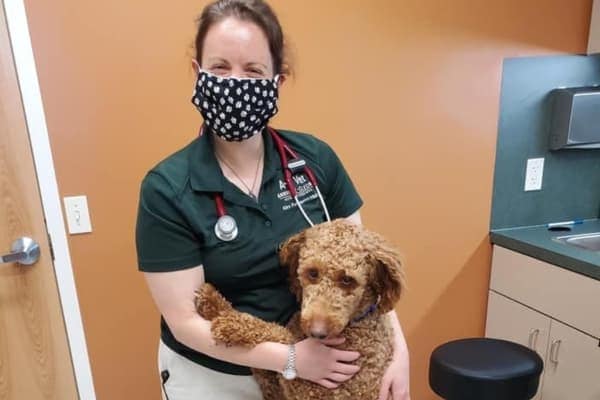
236,41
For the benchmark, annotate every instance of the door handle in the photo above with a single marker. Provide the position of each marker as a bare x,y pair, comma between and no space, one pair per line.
24,251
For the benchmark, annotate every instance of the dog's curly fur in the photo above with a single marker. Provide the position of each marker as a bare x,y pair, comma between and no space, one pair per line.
337,271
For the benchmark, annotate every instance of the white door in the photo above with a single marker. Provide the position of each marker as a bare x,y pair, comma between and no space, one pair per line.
35,362
572,368
509,320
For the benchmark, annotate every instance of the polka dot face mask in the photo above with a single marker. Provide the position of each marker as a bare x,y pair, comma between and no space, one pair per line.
234,108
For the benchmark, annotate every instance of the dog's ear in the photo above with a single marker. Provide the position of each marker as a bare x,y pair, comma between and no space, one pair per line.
289,254
387,273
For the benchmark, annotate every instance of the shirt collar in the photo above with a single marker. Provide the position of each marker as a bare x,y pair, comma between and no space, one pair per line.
205,173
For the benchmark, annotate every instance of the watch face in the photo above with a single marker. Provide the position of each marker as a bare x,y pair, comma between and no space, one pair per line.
289,374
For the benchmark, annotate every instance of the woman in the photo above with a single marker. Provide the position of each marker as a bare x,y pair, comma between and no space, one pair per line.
234,168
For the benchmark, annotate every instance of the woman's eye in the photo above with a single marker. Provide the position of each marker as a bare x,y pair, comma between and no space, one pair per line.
218,69
255,73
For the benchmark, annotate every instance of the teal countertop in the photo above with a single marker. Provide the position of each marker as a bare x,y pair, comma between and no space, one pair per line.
537,241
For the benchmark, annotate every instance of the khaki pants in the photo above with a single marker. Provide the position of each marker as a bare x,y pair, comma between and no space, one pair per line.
190,381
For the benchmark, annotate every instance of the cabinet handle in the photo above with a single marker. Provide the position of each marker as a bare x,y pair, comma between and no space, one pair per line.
554,351
533,336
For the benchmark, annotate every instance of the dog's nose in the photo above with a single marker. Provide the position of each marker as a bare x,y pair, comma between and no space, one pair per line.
318,335
318,329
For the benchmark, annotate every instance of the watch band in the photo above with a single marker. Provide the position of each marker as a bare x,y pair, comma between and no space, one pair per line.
289,371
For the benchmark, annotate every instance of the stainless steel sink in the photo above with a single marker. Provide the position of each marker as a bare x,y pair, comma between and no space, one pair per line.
588,241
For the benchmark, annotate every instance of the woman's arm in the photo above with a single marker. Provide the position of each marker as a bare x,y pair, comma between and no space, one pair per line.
173,293
355,218
400,347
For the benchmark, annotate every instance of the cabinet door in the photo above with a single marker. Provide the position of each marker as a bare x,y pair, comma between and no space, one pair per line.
572,367
554,291
509,320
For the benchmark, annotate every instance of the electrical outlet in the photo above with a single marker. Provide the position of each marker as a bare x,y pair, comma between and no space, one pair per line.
534,174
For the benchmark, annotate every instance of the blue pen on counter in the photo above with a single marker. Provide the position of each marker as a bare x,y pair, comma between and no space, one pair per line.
565,223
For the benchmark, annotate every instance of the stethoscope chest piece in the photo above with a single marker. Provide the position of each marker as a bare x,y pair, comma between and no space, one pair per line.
226,228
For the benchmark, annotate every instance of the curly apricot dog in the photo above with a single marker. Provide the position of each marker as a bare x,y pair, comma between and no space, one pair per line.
346,278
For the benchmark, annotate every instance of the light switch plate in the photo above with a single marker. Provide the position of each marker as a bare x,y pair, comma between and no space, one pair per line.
78,216
534,174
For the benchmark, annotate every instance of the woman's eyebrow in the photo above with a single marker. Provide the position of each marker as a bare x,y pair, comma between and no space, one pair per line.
254,64
217,59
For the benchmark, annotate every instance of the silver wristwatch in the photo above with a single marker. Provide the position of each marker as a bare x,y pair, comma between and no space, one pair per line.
289,372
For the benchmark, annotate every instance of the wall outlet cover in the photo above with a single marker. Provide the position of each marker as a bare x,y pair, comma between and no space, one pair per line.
534,174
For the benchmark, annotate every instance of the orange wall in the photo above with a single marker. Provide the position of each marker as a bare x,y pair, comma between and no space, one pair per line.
406,91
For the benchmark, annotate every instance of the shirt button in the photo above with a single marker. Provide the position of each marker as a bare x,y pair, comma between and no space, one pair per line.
264,207
267,223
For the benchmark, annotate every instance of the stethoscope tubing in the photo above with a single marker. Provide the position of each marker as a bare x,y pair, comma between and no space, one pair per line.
219,204
283,149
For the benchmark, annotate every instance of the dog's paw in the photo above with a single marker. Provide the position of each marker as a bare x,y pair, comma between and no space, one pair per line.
210,303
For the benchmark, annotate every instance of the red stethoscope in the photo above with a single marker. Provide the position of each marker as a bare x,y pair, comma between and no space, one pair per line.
226,228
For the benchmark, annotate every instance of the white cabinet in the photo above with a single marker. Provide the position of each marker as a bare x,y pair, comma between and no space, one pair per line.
553,311
572,366
509,320
594,40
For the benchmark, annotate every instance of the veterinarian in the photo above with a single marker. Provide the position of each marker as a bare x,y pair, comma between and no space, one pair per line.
218,210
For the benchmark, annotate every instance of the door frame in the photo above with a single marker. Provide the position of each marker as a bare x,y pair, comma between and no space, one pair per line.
44,165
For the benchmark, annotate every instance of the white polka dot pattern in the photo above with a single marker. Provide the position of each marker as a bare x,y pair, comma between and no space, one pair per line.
234,108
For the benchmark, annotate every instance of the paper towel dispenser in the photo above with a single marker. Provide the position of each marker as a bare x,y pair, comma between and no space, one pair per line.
575,118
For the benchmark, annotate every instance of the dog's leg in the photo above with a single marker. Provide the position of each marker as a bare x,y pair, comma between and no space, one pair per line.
235,328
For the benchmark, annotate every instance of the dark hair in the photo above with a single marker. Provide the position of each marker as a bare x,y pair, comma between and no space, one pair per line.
256,11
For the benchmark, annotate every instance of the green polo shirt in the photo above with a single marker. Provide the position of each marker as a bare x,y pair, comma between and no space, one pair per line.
177,215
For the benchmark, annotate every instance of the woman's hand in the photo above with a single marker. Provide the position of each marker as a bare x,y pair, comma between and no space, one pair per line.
316,361
395,382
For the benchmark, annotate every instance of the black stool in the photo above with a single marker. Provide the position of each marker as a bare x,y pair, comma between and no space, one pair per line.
484,369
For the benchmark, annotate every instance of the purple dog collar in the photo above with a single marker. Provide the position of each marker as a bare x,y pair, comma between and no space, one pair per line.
368,312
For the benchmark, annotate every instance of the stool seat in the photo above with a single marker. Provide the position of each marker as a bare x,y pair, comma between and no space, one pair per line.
484,369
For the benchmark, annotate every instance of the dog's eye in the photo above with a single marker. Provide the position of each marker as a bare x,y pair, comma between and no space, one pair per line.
347,280
313,273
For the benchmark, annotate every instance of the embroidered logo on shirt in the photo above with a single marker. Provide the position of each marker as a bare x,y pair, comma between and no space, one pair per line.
304,188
